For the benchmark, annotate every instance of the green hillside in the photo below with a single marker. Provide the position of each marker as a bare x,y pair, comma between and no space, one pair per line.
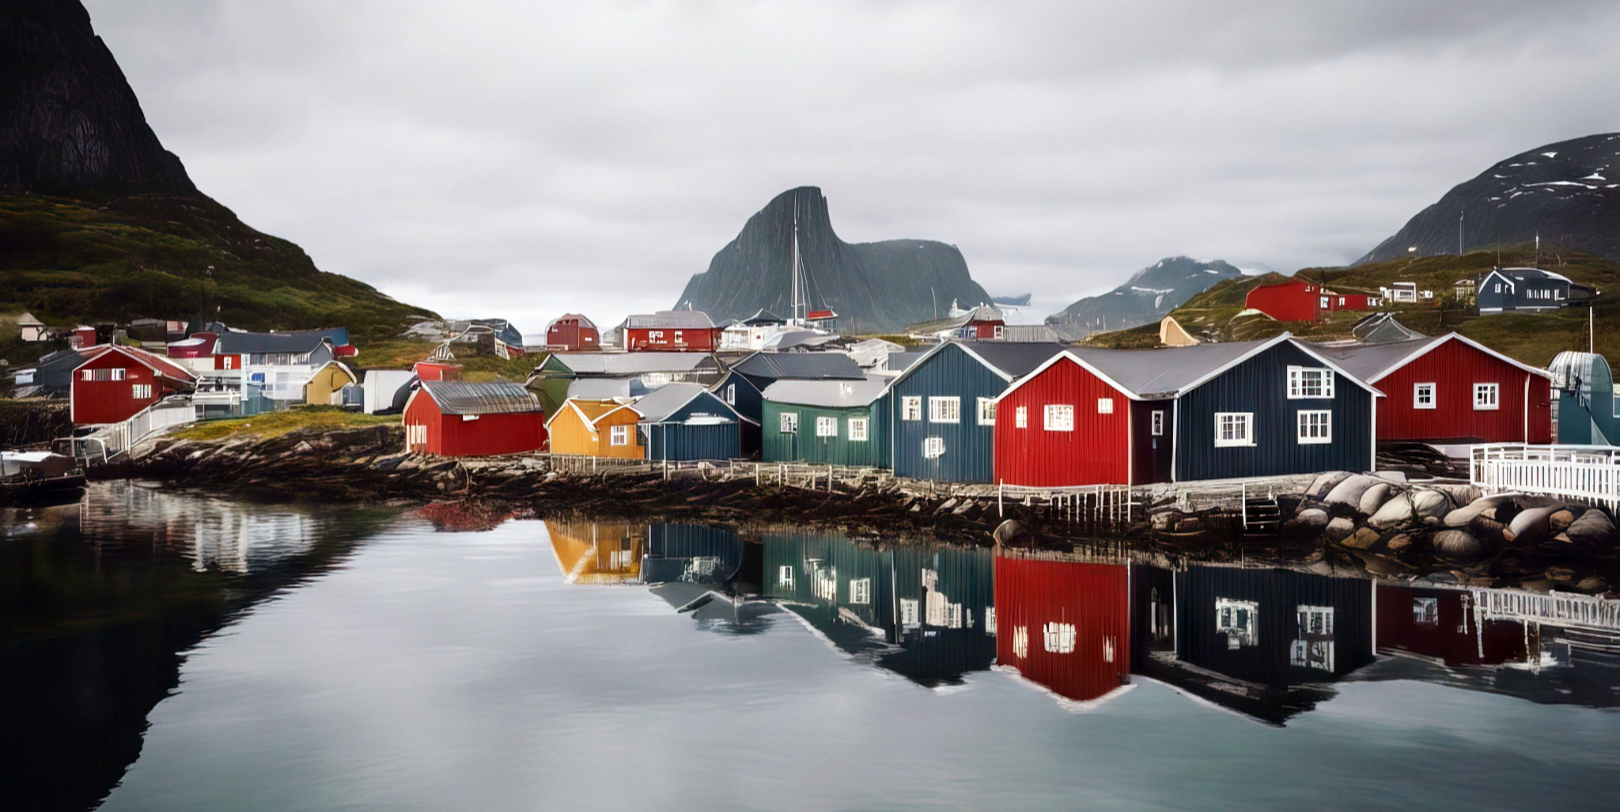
73,260
1531,338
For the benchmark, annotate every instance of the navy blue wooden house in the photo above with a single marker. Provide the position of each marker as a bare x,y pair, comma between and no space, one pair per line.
942,408
1528,289
743,384
685,421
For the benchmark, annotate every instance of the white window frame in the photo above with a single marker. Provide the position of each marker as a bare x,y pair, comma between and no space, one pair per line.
618,435
911,408
1314,426
1487,397
119,374
788,422
1325,304
655,335
860,590
1021,417
1059,638
1105,405
1421,389
1058,417
731,394
1245,419
857,429
228,361
987,412
933,448
1000,331
1157,422
784,576
141,391
944,410
1297,388
826,427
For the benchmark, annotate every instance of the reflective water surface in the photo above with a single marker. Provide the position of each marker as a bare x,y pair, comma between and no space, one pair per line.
161,651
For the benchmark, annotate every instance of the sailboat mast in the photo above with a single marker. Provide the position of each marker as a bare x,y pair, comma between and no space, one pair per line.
793,318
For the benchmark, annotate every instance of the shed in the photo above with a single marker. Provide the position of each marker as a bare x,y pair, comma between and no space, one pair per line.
692,554
671,331
1064,625
116,382
555,376
32,329
1304,300
685,421
835,422
572,332
596,428
461,419
1584,386
1451,389
386,389
942,409
325,386
1444,624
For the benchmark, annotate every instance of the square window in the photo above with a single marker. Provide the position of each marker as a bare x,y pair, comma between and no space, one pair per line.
944,410
857,429
933,448
826,427
788,422
1315,427
1158,422
911,408
1234,429
1021,417
619,435
860,590
1423,396
118,374
1059,637
1105,405
1059,417
987,412
1309,382
1485,397
141,391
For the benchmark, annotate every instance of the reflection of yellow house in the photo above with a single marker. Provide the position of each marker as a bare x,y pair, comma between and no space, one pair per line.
325,387
1172,334
596,428
593,553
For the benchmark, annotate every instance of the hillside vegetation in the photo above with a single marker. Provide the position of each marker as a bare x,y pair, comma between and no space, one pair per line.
1531,338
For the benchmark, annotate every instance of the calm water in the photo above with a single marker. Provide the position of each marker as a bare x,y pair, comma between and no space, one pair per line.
163,652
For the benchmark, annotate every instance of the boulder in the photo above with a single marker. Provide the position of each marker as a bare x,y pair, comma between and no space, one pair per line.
1560,519
1398,542
1487,530
1458,547
1396,512
1530,527
1465,514
1593,528
1363,539
1374,497
1429,503
1338,529
1312,517
1350,491
1325,483
1460,494
1010,532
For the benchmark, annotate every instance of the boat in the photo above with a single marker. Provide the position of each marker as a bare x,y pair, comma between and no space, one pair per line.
27,476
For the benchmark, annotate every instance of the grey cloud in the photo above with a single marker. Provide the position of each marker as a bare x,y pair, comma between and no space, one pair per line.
522,159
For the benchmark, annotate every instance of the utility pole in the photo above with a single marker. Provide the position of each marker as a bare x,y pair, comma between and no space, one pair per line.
1460,215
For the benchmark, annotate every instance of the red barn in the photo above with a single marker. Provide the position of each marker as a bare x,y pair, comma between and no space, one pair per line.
1065,424
1451,389
460,419
116,382
1064,625
671,331
572,332
1303,300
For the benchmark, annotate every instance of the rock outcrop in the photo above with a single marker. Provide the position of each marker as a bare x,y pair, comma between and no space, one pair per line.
874,287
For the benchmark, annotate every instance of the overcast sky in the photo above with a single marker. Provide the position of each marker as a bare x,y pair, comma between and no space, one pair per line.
494,158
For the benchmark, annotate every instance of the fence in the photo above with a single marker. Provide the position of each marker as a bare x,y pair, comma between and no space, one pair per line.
1586,473
1555,609
113,440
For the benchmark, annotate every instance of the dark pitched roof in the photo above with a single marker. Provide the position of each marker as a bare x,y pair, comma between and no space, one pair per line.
1370,362
934,326
1164,371
760,318
232,343
656,406
1013,358
800,365
627,363
461,397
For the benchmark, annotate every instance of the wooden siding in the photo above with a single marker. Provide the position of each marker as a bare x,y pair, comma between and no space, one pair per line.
677,439
1454,367
99,402
969,448
1151,454
697,339
1276,595
325,387
1259,386
572,435
1455,637
1288,301
1064,625
805,446
598,553
692,553
451,435
569,335
1097,451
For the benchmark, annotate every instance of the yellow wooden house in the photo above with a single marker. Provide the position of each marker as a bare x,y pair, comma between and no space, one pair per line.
325,387
597,428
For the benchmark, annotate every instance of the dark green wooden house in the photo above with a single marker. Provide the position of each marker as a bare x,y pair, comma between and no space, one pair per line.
827,422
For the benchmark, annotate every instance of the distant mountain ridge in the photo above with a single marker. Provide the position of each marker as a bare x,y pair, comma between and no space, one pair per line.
1568,193
99,222
875,287
1147,296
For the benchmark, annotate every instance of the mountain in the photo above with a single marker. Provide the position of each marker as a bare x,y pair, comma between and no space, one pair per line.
875,287
1146,297
1568,193
99,222
1014,301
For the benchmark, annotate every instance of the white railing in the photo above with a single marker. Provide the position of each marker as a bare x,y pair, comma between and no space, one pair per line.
1555,609
115,439
1587,473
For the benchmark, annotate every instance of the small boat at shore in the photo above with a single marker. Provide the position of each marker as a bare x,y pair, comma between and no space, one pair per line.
27,476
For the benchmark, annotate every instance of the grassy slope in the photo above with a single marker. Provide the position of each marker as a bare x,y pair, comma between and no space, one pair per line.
401,353
69,260
275,424
1531,338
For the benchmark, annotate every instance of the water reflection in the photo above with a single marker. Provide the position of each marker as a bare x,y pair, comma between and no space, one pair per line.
99,603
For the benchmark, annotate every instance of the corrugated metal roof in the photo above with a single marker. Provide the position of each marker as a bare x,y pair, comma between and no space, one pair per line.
1572,371
462,397
1013,358
580,317
901,361
801,365
629,363
604,388
1163,371
657,405
836,394
1368,361
156,363
672,320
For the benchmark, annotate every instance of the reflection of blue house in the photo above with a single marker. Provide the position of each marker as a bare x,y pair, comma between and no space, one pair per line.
691,553
1584,385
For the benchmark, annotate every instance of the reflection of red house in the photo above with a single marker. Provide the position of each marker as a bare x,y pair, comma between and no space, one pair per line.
1440,623
460,419
1302,300
1451,388
117,382
671,331
1064,625
572,332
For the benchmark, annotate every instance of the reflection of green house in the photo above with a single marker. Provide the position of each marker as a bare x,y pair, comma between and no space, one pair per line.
924,612
1587,411
837,422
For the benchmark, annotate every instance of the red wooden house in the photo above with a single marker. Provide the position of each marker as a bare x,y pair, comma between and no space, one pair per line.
671,331
1303,300
572,332
436,370
116,382
460,419
1064,625
1451,389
